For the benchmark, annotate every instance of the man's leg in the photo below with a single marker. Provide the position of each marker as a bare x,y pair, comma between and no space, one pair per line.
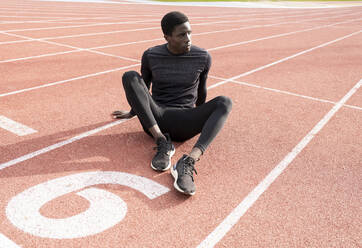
146,109
208,119
141,102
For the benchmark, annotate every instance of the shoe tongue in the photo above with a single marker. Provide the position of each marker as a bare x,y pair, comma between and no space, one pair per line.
189,159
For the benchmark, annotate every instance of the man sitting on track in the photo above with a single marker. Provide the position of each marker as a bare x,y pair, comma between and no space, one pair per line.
176,110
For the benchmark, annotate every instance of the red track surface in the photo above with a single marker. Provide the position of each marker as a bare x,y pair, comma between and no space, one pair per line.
285,69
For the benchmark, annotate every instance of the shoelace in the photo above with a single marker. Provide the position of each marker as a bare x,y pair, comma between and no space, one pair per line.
161,147
189,168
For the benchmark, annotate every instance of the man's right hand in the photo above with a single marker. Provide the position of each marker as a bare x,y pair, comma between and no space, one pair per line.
120,114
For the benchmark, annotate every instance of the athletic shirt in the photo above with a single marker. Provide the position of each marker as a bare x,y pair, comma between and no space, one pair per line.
177,80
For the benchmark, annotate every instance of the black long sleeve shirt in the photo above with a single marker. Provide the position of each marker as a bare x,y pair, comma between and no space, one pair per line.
177,80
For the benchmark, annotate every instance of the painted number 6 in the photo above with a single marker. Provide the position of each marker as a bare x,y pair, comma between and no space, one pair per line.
106,209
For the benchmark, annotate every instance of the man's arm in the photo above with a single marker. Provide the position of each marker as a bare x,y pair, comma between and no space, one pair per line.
146,70
202,89
147,77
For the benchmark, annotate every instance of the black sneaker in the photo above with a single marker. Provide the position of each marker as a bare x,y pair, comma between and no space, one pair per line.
165,149
182,171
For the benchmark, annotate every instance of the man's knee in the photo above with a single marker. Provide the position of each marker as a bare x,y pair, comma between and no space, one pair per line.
225,103
129,78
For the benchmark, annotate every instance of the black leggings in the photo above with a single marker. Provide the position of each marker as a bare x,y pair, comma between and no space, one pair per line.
180,123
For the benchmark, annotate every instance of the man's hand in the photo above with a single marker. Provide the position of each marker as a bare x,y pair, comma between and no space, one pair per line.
120,114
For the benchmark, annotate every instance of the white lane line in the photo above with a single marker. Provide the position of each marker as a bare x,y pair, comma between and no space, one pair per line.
25,157
289,57
222,82
62,143
15,127
68,80
220,231
85,76
157,27
70,19
40,56
7,243
58,145
76,49
281,35
353,107
82,26
284,92
59,19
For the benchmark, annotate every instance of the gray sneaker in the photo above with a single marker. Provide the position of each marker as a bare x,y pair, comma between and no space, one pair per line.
165,149
182,172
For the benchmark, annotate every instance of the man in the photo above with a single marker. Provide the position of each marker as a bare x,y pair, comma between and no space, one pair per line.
176,110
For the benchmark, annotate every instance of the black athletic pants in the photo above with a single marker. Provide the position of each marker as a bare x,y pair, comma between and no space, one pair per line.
180,123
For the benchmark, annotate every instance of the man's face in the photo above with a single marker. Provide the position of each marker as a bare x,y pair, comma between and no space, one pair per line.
180,40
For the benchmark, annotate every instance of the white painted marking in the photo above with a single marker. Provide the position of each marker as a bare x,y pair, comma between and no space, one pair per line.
215,236
284,92
294,94
57,20
90,75
280,35
236,4
73,47
76,49
67,80
287,58
58,145
81,26
352,106
62,143
15,127
6,242
157,27
112,23
106,209
40,56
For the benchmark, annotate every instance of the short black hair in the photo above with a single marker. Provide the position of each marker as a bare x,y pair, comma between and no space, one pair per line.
172,19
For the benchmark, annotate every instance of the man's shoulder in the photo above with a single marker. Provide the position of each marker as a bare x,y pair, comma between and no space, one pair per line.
198,51
159,49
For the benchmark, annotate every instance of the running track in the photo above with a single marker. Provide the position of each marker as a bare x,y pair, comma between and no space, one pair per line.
284,172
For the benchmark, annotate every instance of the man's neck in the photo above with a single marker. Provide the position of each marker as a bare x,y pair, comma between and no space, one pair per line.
173,51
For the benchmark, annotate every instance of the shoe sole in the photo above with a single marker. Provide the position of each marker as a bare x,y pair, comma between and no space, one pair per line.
169,164
175,176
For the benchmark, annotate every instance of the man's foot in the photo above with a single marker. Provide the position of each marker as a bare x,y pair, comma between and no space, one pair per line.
165,149
182,171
